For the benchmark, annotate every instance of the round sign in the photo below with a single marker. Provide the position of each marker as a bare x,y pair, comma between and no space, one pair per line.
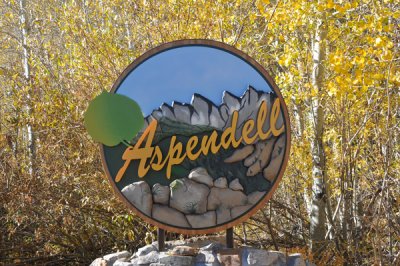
200,136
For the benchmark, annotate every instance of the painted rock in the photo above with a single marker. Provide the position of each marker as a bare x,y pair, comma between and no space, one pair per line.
188,197
140,195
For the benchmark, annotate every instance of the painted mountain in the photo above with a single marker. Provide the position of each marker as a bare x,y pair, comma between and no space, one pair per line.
218,187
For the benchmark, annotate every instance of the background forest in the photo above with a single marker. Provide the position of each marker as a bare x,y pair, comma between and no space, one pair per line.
336,63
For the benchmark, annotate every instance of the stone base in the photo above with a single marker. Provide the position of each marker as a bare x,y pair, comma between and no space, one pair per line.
200,253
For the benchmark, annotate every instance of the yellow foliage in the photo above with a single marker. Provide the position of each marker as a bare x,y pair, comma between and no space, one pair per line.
78,48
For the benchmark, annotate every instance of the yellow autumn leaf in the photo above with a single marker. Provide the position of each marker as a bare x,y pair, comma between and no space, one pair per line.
378,42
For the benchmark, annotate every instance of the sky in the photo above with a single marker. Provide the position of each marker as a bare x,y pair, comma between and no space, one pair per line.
176,74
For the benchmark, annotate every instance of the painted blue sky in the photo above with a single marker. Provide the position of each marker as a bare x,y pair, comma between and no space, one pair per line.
176,74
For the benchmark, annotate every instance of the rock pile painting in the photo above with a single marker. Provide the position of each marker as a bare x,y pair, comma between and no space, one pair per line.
193,202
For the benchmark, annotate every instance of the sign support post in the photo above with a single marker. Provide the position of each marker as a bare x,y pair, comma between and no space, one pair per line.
161,239
229,237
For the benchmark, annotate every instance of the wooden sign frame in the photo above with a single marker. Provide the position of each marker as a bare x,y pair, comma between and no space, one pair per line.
270,81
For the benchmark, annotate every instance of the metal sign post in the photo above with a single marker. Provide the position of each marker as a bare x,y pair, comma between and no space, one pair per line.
229,237
161,239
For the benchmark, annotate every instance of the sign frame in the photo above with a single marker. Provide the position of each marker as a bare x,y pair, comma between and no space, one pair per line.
271,83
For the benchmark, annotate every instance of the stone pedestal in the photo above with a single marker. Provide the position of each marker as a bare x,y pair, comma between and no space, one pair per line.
200,253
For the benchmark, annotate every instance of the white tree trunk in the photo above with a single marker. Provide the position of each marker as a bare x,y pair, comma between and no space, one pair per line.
28,132
318,215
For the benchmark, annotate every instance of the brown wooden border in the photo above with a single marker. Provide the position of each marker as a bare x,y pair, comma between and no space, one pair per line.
263,72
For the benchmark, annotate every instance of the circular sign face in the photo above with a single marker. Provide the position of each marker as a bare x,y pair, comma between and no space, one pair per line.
211,141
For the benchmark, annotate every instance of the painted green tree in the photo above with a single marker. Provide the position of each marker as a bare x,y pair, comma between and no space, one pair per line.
112,118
